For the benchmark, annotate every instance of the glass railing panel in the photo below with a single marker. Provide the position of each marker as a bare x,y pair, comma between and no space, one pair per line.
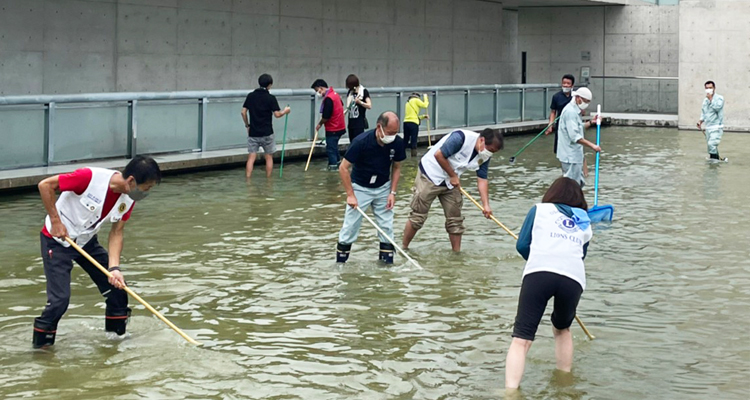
22,136
88,131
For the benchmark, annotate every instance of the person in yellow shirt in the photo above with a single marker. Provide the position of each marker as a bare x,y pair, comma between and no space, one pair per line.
412,119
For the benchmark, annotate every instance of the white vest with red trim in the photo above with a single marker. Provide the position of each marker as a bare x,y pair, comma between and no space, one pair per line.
80,213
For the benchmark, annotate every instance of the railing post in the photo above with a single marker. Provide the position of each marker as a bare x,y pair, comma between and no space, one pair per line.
202,109
496,102
49,133
132,128
399,97
435,114
523,104
545,102
466,107
312,117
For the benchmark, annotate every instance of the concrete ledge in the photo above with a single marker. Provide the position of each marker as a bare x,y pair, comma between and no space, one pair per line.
644,120
180,162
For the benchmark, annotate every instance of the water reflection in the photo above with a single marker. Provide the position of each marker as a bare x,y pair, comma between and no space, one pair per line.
246,268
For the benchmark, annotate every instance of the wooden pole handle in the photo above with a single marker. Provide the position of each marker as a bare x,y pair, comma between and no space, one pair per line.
131,293
429,133
309,157
468,196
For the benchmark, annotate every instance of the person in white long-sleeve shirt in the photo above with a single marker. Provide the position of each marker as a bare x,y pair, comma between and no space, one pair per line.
570,138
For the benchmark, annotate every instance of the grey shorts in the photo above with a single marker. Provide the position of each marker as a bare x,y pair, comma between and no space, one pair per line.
268,143
574,172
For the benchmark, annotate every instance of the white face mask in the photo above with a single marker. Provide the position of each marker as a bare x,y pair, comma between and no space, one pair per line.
709,91
387,139
485,154
583,105
567,89
319,94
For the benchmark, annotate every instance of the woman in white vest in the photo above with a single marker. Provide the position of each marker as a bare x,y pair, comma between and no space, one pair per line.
554,239
89,198
439,172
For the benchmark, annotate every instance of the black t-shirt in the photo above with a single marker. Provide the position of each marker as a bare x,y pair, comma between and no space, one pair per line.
327,108
372,162
357,114
260,106
559,101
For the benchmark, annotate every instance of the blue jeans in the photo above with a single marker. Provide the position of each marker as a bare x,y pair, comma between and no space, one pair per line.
332,147
366,197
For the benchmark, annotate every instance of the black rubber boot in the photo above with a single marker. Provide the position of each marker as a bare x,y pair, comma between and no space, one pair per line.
342,252
116,320
386,253
44,334
714,156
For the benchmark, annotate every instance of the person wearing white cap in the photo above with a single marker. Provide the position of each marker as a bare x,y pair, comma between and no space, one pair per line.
570,140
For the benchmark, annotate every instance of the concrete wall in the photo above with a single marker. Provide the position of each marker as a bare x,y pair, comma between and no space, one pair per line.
73,46
632,40
554,37
714,46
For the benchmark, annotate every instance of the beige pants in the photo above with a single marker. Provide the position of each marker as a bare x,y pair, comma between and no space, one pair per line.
424,194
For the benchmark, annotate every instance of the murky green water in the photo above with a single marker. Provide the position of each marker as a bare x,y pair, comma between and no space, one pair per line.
247,269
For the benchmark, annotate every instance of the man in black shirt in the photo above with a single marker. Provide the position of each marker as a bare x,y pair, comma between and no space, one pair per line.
376,157
261,104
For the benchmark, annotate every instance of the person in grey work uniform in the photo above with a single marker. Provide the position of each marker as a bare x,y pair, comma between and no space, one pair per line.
570,140
712,114
375,158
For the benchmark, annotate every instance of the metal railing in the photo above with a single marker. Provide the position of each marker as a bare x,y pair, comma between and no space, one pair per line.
45,130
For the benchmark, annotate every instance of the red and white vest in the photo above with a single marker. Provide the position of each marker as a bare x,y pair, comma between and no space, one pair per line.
336,123
80,214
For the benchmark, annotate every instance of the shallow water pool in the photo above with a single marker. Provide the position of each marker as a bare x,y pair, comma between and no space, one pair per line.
247,269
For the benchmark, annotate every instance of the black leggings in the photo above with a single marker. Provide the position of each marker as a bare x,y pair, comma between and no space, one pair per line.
536,290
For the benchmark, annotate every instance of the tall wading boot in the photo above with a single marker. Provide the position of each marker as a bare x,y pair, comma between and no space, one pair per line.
116,320
386,253
342,252
413,152
44,334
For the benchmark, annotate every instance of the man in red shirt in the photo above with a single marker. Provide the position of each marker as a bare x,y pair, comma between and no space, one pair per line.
89,197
